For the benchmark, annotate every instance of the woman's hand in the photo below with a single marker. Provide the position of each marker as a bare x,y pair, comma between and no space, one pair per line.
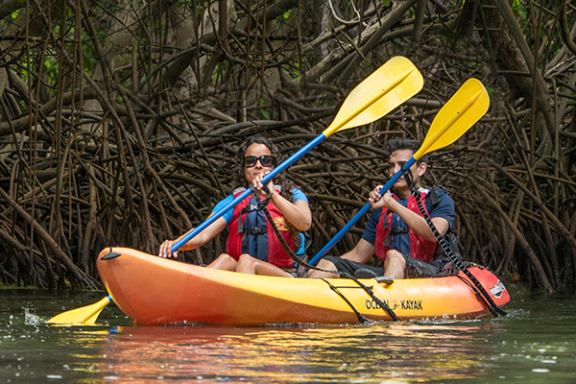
166,249
258,184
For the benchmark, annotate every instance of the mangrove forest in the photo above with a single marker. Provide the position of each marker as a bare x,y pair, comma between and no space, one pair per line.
120,121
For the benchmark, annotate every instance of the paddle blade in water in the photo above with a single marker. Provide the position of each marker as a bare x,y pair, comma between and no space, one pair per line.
388,87
85,315
457,116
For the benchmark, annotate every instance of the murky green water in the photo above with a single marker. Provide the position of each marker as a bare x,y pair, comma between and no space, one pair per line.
535,344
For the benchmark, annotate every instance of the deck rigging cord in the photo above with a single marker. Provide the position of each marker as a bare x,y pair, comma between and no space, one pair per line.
480,290
262,206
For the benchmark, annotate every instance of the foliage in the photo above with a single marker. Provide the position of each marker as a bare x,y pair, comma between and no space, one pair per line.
138,121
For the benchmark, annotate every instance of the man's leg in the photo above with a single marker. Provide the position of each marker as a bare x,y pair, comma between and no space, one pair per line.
394,265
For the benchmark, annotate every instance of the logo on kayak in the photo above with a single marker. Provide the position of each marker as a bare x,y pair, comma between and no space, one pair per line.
280,223
498,289
414,305
372,304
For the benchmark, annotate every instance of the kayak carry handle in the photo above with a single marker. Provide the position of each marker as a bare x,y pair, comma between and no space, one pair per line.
384,279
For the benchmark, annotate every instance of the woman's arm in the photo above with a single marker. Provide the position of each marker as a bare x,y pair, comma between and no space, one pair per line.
298,214
199,240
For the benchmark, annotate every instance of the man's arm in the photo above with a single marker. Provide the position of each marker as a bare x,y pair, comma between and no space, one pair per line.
416,222
419,224
361,253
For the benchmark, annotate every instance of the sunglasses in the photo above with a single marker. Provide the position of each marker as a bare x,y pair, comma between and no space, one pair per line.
265,160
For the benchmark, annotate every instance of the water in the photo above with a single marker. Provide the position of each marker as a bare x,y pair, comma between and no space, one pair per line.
535,344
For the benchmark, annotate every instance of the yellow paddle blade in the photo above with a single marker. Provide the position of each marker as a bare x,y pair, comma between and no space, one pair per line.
457,116
393,83
85,315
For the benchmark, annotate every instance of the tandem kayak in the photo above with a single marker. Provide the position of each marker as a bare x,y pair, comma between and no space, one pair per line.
152,291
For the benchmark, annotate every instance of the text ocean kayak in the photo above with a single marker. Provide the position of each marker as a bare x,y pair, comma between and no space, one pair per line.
151,290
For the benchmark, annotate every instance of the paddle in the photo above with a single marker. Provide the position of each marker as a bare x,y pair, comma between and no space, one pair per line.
388,87
458,115
84,315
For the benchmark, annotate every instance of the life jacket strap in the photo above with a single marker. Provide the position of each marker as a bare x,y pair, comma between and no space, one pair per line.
387,240
248,208
399,230
394,231
260,205
256,231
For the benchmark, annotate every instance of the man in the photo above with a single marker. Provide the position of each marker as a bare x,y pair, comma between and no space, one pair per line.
396,231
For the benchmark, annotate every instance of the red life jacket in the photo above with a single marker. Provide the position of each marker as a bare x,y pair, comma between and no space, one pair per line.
251,234
420,248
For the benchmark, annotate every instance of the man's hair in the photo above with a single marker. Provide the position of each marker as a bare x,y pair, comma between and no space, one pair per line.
410,144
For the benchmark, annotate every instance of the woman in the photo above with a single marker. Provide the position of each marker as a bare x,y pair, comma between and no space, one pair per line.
252,245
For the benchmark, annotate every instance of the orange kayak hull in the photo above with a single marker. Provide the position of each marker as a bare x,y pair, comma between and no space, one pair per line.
151,291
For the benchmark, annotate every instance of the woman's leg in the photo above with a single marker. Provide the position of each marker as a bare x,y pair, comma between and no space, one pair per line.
252,266
326,265
224,262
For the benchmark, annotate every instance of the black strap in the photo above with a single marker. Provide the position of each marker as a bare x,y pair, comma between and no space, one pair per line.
433,195
249,208
494,309
479,295
255,231
361,317
399,230
393,231
386,226
370,292
387,240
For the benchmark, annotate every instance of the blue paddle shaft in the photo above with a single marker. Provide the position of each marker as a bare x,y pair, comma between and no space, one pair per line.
356,217
285,164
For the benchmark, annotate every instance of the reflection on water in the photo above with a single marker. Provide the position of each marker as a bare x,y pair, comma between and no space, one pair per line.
419,352
535,344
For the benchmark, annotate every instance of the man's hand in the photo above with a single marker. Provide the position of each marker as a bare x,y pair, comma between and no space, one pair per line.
378,201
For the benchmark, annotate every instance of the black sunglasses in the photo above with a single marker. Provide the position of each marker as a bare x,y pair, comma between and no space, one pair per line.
265,160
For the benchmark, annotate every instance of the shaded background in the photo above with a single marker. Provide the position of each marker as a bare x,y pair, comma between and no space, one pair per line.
120,120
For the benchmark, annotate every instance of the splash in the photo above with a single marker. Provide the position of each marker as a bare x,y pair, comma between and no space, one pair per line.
32,319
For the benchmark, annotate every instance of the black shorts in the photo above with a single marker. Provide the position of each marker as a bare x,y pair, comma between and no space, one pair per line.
414,268
417,269
349,266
